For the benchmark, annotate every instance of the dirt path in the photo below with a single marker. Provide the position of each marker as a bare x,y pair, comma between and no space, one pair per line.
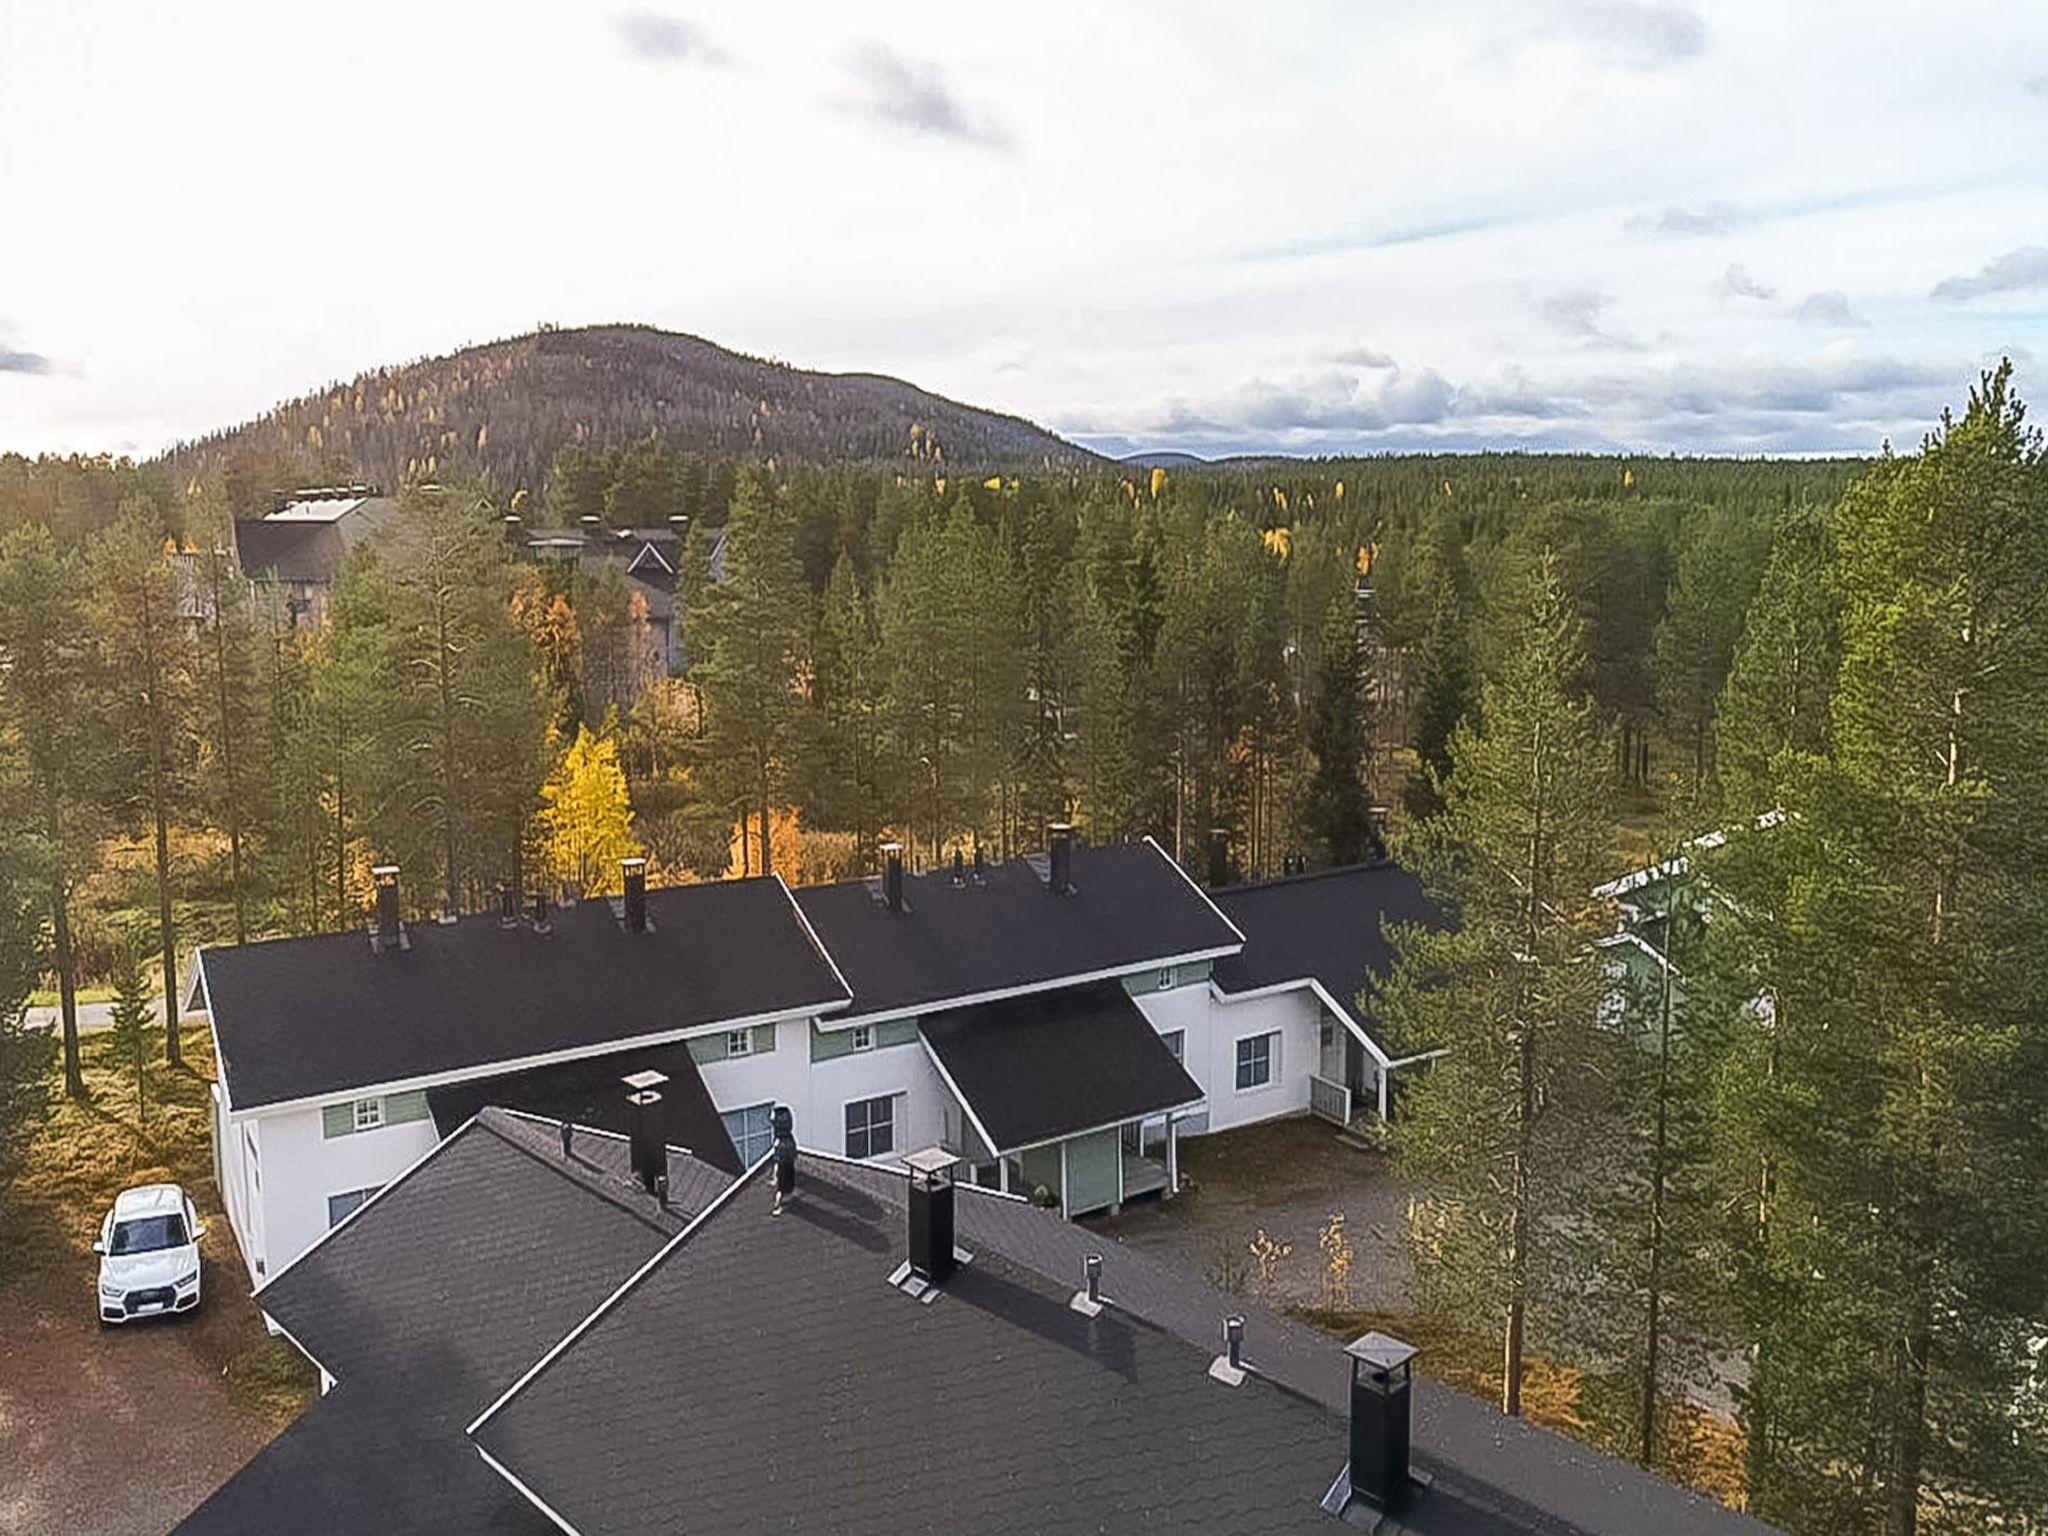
121,1433
1287,1177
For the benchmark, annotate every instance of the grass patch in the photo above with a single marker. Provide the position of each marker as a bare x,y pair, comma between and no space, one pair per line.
87,1151
49,997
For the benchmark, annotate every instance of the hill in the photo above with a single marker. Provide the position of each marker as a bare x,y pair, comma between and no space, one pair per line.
506,407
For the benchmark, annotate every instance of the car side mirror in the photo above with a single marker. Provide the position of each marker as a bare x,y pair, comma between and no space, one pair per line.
198,1230
98,1246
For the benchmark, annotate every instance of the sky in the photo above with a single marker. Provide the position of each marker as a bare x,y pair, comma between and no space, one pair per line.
1795,226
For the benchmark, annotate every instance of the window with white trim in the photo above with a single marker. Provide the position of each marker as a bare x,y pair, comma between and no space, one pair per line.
1256,1055
871,1126
369,1114
340,1206
752,1131
1164,979
863,1037
739,1042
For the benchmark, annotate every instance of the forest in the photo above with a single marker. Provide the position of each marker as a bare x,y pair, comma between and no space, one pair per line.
1792,1179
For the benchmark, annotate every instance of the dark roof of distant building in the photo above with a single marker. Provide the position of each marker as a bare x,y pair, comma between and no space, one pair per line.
1130,906
760,1374
308,540
426,1303
1331,925
1035,1068
588,1092
298,1018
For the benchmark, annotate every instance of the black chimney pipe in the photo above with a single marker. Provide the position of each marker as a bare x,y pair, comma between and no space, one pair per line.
645,1148
636,894
931,1214
892,876
1219,857
959,868
508,907
385,877
540,913
1381,1382
1060,863
980,865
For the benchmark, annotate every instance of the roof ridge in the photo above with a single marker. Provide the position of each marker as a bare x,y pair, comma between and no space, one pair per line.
585,1177
1363,866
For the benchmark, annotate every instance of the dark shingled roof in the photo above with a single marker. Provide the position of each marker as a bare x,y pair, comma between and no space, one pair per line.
588,1092
1130,906
297,1018
1049,1064
1330,926
428,1303
761,1376
304,550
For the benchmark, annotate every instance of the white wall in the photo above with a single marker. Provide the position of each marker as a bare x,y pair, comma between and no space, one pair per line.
301,1168
1297,1016
817,1093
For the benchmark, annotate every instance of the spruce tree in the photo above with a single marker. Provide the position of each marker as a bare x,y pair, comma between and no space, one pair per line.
1442,674
1337,813
1494,1132
132,1018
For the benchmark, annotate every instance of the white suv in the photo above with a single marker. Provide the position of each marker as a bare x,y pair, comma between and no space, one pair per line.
149,1254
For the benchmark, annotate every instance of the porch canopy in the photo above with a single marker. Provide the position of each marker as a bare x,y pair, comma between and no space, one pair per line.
1049,1065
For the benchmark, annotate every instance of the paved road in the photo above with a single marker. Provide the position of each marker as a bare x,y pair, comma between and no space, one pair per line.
91,1016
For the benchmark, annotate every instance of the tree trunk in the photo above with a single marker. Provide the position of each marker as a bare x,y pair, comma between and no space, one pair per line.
767,856
167,937
67,987
1518,1241
1653,1336
444,662
227,758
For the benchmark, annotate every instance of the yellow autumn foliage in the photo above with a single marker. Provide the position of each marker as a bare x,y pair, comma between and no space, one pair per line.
586,815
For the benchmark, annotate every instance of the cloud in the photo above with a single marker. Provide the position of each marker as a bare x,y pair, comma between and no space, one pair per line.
1578,312
16,359
1631,33
1362,357
1707,219
2026,267
1738,282
2036,85
660,39
913,97
1828,308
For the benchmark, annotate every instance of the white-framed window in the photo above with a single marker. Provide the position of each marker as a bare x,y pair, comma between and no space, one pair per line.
1163,979
1176,1041
351,1117
739,1042
752,1131
339,1206
863,1037
369,1114
1257,1056
871,1126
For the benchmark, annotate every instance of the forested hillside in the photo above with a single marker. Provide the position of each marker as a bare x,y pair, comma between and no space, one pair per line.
503,410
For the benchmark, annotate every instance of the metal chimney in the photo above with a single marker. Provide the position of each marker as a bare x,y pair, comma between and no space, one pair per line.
390,932
540,913
980,866
931,1214
636,894
1219,857
648,1153
1381,1381
1060,864
892,876
508,907
959,868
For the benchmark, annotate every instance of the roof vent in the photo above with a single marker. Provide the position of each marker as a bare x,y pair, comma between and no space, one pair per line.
508,907
1088,1300
389,932
1378,1474
1060,866
643,1130
635,870
1229,1367
1219,858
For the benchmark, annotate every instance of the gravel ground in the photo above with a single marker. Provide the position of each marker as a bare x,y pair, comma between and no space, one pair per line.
1287,1177
121,1433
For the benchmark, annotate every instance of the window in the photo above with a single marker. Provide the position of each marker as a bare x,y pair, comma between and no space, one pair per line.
339,1206
1164,979
739,1042
871,1126
352,1116
863,1037
1177,1042
752,1131
1255,1055
369,1114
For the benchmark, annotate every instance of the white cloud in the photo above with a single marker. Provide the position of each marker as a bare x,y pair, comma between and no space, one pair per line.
1738,282
661,39
1829,308
2013,272
914,97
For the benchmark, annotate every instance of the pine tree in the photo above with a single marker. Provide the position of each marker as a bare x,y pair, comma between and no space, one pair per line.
149,668
747,633
25,1052
586,815
132,1018
1898,916
1337,813
1494,1132
1703,620
1441,666
844,788
49,701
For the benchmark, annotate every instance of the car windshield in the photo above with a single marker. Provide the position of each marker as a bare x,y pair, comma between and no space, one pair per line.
146,1234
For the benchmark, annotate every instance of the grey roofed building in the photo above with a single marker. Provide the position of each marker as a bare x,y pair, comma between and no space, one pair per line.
294,553
428,1301
1330,925
768,1372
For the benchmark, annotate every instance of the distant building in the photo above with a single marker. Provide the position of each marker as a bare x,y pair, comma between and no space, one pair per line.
293,555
